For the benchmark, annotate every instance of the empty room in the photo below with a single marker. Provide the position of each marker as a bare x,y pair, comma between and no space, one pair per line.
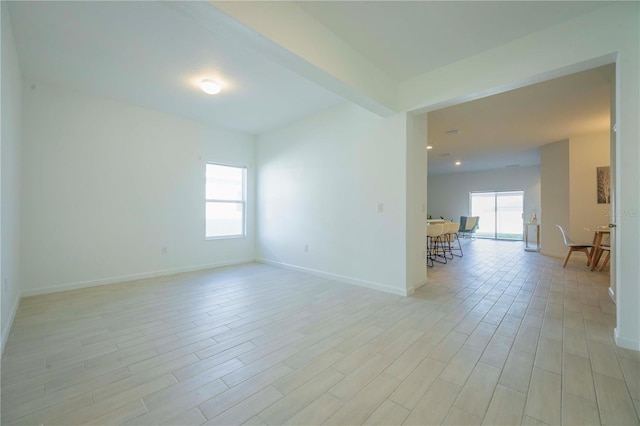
215,213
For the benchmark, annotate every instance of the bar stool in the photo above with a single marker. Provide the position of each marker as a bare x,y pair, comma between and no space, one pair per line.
452,234
434,232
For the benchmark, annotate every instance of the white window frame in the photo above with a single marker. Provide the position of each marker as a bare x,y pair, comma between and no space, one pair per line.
243,202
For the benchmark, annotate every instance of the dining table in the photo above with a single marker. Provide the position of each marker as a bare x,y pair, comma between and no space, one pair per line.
598,233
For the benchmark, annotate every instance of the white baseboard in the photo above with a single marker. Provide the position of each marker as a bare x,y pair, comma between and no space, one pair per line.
416,286
7,327
341,278
634,345
553,254
130,277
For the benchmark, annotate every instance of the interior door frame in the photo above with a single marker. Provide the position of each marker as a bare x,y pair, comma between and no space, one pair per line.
613,164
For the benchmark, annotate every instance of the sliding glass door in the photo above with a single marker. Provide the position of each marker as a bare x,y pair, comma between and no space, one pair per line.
501,214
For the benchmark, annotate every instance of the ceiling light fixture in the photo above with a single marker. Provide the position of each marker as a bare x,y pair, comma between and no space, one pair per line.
210,87
458,163
429,147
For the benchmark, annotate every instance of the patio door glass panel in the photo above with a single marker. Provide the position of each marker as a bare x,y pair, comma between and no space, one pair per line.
509,209
483,205
501,214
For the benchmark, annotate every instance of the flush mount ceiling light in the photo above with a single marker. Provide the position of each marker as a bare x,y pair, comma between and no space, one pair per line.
210,87
458,163
429,146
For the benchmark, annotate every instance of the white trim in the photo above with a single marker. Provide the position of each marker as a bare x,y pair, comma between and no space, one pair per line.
226,237
130,277
341,278
612,295
634,345
7,327
553,254
418,285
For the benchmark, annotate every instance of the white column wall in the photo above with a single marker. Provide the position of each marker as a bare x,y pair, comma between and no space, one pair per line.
10,154
556,184
416,201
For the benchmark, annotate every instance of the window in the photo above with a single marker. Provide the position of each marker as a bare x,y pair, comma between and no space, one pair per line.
500,214
225,201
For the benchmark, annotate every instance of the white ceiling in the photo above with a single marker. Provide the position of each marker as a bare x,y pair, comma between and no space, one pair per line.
408,38
153,54
507,130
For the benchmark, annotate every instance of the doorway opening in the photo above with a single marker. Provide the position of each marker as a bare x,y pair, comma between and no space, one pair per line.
501,214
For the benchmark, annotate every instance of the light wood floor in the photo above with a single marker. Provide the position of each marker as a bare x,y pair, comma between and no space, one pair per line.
498,337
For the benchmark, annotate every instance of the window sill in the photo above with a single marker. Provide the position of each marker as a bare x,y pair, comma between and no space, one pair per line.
226,237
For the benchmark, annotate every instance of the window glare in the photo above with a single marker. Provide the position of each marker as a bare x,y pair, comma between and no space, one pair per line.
225,201
224,183
223,219
224,172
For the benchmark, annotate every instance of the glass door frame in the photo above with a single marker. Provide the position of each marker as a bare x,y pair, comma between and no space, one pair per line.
496,194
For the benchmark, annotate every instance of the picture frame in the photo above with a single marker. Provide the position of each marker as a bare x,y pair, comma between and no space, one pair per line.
603,182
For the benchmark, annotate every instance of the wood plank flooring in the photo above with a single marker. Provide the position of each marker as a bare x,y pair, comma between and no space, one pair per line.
500,336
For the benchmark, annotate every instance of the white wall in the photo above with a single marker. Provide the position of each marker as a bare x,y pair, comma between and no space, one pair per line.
587,153
569,191
320,181
555,180
10,176
448,194
416,201
107,184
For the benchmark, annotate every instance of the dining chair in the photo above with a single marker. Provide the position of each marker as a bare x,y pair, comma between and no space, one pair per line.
574,247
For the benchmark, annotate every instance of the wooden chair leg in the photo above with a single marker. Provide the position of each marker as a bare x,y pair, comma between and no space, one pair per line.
606,261
566,259
591,257
595,259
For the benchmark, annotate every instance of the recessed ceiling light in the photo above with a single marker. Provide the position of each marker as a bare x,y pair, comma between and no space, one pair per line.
210,87
429,147
458,163
453,132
